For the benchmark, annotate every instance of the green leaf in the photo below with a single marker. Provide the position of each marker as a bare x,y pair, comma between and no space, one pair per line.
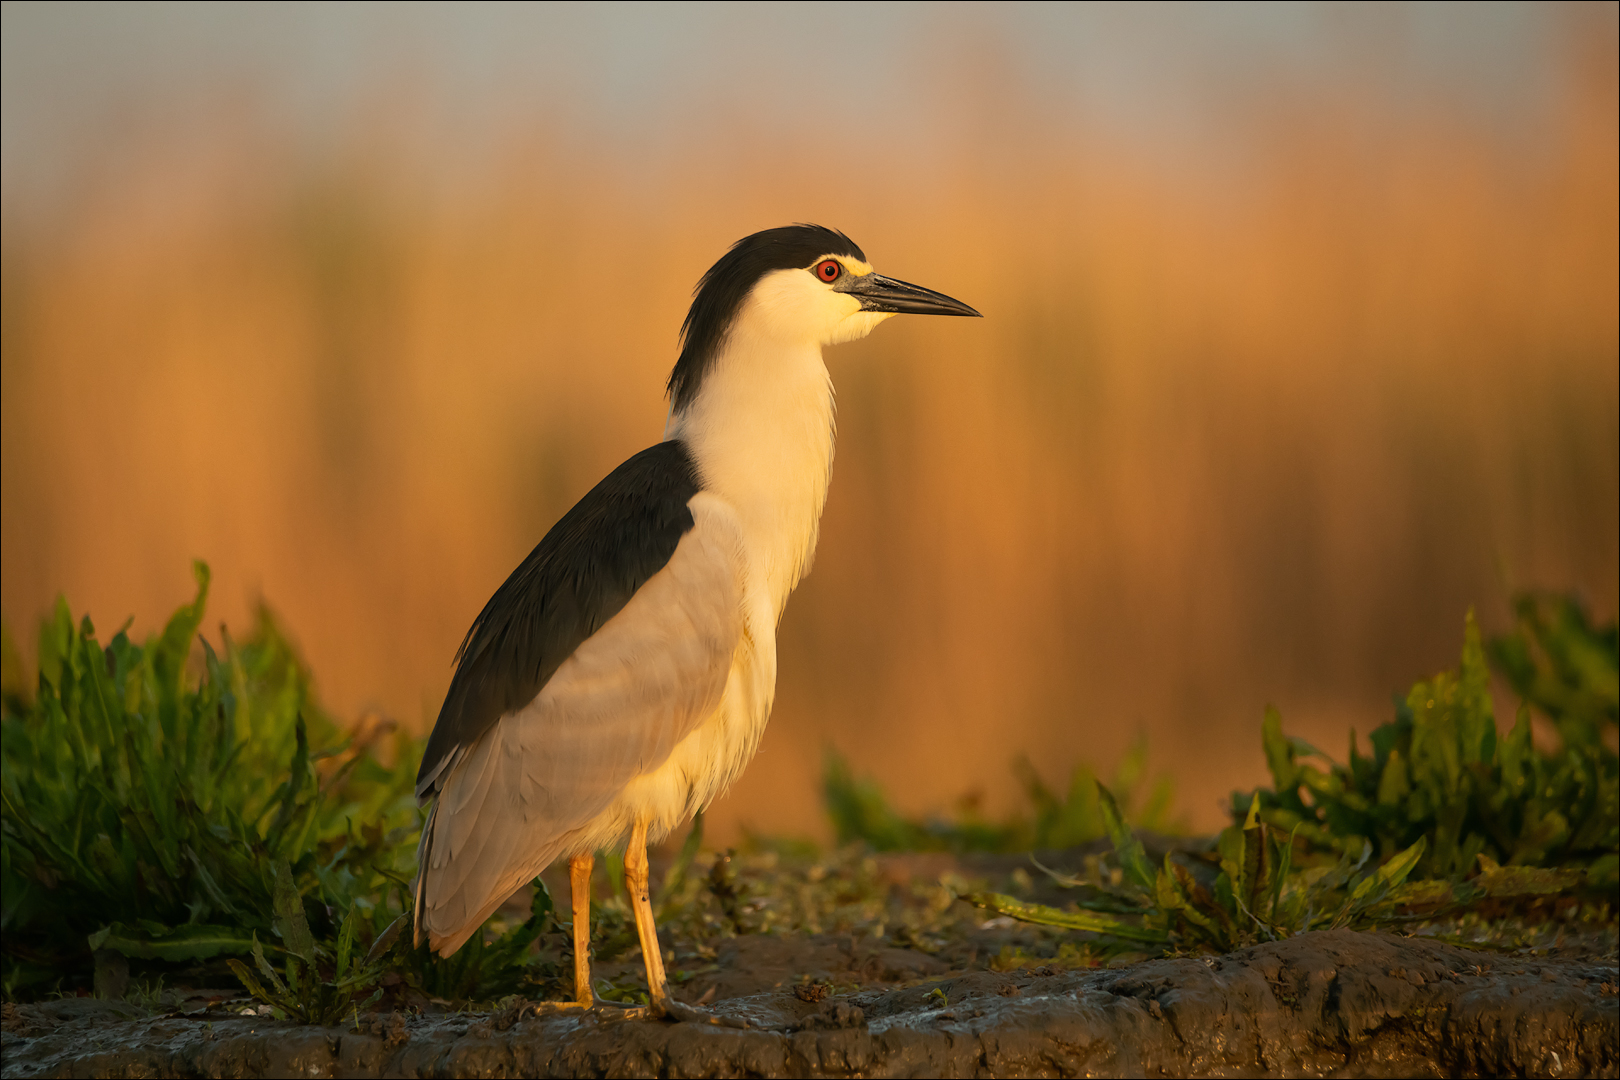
1394,871
390,934
1509,881
55,641
173,649
1279,752
1282,861
290,920
266,970
1393,785
345,944
1168,893
1045,915
291,807
1210,921
1255,866
1127,848
542,907
253,986
1229,846
1421,894
177,944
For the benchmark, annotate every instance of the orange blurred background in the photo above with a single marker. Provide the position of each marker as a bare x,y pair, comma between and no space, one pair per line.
1263,400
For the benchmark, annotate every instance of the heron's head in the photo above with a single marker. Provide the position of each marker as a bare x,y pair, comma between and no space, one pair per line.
798,285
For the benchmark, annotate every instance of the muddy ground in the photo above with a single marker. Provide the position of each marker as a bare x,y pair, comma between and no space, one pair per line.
848,964
1338,1003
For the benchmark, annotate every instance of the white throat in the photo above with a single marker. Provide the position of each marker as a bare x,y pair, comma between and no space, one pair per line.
760,429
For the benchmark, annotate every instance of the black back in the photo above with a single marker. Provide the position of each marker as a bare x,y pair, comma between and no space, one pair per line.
721,291
577,578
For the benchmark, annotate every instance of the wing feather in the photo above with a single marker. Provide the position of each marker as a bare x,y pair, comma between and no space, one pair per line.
614,710
581,574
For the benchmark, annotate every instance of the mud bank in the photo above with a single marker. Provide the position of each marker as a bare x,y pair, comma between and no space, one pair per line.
1338,1003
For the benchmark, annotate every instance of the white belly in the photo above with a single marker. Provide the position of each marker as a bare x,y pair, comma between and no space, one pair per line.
706,761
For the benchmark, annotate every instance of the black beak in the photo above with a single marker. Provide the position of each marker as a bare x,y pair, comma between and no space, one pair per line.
878,293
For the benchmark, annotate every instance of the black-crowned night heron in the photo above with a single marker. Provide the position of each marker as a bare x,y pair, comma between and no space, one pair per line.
621,678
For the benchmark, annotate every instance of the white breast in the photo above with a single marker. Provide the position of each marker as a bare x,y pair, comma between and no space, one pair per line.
760,429
761,432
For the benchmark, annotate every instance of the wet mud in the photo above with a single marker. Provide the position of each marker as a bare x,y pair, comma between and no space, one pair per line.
1328,1004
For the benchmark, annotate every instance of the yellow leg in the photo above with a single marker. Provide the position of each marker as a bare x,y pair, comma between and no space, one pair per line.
579,881
635,879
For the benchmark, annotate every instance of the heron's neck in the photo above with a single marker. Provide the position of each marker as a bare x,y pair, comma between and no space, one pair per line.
760,429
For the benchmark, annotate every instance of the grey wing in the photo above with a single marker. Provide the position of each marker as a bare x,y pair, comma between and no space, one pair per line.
614,710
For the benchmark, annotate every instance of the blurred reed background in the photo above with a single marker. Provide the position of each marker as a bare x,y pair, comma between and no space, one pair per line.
1286,361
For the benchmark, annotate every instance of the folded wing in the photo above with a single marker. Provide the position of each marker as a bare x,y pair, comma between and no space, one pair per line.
528,787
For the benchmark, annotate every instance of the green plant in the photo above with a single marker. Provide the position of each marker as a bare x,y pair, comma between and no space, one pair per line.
1080,817
183,808
486,970
1254,897
1259,895
1562,665
146,792
860,811
1442,799
1439,772
304,994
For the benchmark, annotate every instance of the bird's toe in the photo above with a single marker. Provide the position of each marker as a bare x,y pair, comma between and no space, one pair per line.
671,1009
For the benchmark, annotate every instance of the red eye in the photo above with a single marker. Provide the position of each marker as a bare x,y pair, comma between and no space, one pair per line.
828,270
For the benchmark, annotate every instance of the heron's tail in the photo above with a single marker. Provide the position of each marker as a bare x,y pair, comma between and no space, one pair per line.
424,848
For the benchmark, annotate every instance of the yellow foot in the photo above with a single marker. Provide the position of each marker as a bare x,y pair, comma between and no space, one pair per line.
547,1008
615,1010
670,1009
618,1010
